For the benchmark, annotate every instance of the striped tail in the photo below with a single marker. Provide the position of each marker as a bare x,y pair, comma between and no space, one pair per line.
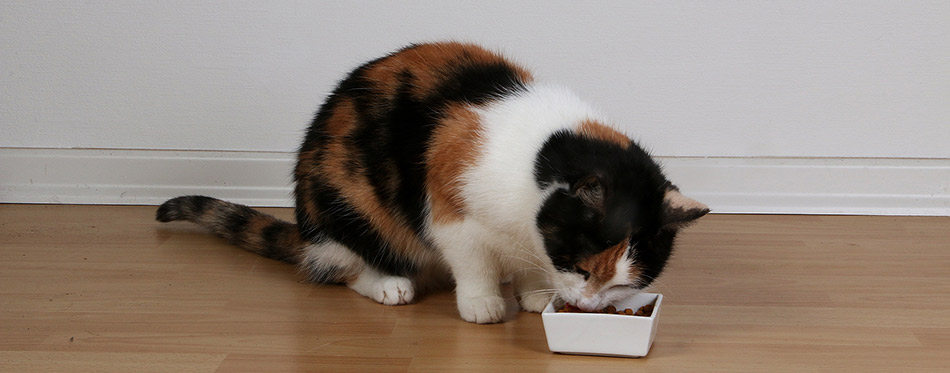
244,227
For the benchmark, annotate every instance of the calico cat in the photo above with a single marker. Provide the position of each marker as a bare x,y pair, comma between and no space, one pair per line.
446,158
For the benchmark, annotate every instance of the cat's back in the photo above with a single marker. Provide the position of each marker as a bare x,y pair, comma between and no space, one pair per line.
440,73
412,89
387,147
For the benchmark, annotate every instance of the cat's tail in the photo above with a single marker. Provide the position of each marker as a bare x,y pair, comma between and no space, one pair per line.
244,227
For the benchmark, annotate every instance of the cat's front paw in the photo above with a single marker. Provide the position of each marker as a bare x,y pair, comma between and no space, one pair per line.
483,309
534,302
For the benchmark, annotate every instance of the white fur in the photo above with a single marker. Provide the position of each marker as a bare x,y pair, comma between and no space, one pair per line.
467,248
327,256
390,290
498,239
501,189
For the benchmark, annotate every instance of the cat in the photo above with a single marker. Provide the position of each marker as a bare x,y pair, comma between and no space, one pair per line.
446,159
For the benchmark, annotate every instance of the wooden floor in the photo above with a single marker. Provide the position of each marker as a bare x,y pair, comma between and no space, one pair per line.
106,288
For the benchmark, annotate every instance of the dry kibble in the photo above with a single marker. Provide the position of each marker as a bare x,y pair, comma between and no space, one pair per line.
644,311
569,308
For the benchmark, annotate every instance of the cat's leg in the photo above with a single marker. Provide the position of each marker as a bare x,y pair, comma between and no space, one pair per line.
532,288
331,262
475,268
531,273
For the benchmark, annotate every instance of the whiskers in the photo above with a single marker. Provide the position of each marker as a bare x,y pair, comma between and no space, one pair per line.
535,264
548,293
655,282
537,291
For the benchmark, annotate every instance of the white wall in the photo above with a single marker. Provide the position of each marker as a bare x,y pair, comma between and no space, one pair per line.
790,79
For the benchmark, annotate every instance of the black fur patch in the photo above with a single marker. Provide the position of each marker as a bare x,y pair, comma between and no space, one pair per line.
182,208
653,255
479,83
275,238
168,211
392,149
235,224
632,186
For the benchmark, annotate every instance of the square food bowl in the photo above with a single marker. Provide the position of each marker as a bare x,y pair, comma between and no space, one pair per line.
600,333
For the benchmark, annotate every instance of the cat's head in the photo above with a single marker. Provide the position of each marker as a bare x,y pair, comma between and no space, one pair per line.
609,224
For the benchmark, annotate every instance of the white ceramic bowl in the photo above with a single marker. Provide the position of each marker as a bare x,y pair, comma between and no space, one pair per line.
603,334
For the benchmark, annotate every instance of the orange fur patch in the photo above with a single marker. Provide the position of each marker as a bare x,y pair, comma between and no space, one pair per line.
253,232
603,265
305,168
342,119
595,130
430,63
452,150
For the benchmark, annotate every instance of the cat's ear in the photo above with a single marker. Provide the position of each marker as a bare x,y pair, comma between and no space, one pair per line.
590,190
679,210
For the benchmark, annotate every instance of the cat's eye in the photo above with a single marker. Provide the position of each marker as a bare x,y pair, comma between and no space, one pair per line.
582,272
622,287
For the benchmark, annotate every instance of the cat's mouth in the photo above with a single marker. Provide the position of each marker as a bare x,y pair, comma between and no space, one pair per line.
591,304
601,299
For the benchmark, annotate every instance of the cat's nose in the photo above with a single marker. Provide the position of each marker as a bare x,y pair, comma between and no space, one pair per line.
589,304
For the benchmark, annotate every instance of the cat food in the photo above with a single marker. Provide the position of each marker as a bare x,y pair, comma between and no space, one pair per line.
644,311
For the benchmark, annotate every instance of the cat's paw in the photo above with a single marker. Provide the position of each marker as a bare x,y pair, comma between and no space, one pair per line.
394,290
388,290
534,302
483,309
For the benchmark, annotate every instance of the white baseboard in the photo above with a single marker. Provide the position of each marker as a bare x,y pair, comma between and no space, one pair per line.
143,177
728,185
838,186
